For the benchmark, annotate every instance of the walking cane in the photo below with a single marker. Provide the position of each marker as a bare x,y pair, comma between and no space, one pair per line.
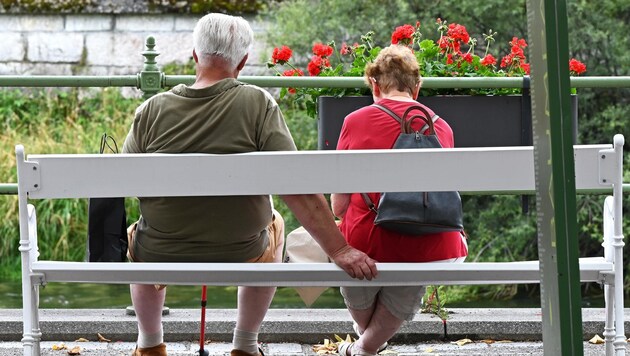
202,336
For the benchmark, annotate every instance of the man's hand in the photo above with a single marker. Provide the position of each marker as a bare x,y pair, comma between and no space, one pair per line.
356,263
313,212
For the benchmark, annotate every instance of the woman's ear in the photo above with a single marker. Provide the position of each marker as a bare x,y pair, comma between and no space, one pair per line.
376,90
416,91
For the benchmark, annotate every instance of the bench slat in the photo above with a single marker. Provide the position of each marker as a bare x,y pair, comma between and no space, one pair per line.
486,169
303,274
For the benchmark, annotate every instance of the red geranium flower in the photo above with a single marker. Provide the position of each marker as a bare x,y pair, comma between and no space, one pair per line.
525,68
576,67
516,58
449,58
403,34
468,57
518,42
293,73
322,50
446,43
281,55
489,60
458,33
316,64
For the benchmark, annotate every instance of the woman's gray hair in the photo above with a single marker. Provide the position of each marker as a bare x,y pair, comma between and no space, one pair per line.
228,37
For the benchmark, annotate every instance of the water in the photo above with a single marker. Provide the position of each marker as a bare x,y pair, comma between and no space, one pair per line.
115,296
83,295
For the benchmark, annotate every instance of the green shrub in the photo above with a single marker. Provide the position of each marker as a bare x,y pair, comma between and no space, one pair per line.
54,121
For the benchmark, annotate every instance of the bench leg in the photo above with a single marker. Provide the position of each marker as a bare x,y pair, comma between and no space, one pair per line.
609,324
30,342
614,332
36,333
620,338
30,292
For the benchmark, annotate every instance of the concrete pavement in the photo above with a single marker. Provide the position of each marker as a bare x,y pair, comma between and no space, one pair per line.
294,349
293,332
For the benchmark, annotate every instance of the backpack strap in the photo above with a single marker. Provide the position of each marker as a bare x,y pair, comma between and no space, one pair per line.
426,126
389,112
434,118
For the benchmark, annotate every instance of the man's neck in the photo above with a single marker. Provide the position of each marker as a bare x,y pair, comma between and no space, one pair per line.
211,73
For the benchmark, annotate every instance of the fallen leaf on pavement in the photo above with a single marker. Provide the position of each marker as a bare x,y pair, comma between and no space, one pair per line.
488,341
462,342
60,346
81,339
428,350
101,338
328,348
504,341
75,351
596,340
347,339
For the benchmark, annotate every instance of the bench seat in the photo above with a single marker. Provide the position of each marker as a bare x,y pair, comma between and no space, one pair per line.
592,269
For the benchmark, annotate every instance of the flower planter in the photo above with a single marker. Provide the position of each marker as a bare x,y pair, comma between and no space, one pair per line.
477,121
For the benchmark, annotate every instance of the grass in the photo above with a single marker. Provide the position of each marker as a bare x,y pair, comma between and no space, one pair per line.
54,121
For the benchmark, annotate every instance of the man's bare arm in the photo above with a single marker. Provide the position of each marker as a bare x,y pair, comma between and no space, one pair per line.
313,213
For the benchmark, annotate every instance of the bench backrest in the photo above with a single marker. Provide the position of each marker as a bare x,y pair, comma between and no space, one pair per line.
499,169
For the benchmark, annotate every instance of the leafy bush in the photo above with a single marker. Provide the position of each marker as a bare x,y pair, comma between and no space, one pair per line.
55,122
206,6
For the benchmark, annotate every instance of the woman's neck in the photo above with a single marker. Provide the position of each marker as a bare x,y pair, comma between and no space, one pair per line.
397,95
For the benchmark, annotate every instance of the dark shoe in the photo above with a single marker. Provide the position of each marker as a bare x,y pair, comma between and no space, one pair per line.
236,352
159,350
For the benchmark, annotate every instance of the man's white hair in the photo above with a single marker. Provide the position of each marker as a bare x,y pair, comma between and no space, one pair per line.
228,37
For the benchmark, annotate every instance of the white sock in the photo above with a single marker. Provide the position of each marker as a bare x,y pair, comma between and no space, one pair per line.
150,340
245,341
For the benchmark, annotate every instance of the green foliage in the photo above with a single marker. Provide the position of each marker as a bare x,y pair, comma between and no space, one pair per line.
205,6
39,6
346,21
175,68
435,299
55,122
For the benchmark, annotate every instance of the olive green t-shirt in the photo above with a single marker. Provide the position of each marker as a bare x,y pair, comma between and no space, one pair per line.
227,117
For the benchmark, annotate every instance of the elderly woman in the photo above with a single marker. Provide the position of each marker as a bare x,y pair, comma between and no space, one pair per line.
379,312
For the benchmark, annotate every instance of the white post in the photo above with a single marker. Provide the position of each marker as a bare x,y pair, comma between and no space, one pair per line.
620,340
25,250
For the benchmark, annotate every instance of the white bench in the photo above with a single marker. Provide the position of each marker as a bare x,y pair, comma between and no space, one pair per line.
479,170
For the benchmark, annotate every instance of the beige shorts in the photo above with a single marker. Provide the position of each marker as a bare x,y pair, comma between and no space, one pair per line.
275,231
402,301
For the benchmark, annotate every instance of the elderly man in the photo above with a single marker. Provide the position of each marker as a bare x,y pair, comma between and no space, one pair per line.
218,114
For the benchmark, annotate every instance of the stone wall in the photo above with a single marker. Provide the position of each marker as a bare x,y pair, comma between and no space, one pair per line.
101,44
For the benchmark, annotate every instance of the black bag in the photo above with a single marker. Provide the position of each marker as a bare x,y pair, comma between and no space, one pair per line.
417,213
107,223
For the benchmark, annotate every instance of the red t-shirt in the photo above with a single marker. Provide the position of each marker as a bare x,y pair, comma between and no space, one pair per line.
371,128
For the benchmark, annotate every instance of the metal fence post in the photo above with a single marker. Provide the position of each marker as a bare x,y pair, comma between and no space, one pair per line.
150,79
